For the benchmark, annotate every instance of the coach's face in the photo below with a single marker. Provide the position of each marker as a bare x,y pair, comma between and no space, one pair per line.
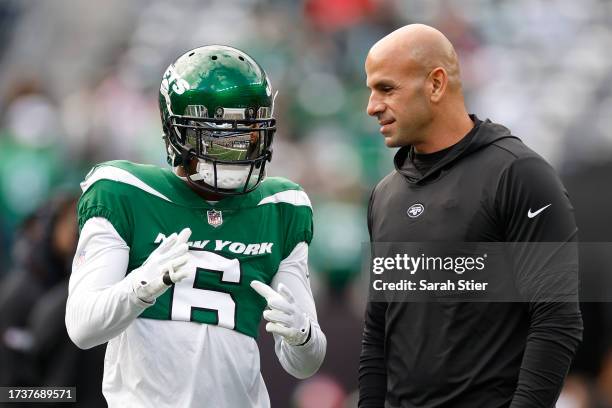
397,96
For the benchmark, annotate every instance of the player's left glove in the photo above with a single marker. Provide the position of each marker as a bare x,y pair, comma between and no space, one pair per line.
284,316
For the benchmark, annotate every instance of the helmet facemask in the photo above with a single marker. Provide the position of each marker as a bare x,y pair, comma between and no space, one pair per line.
231,147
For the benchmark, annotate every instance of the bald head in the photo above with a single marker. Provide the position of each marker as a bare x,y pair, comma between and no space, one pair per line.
415,89
420,47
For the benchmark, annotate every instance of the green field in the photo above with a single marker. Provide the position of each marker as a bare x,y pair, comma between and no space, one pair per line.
226,153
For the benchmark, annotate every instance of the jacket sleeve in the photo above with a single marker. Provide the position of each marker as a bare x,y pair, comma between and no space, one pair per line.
539,223
372,365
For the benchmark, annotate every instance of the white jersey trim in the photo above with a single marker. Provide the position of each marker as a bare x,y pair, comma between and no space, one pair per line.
121,176
295,197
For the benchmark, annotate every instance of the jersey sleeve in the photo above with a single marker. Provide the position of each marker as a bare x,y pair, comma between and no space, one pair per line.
101,302
293,210
304,360
299,228
103,198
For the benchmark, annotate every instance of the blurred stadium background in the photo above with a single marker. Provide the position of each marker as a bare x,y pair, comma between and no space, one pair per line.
78,85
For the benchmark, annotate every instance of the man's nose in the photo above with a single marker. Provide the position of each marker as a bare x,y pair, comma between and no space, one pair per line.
375,106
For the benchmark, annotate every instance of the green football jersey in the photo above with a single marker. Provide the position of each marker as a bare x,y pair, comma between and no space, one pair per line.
233,242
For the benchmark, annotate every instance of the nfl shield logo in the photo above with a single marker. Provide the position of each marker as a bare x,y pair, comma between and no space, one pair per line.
215,218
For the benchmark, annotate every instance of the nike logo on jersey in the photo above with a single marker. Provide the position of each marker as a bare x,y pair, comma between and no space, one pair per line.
535,213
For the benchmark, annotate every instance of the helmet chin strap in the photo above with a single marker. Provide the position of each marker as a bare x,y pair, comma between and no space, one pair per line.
185,161
199,187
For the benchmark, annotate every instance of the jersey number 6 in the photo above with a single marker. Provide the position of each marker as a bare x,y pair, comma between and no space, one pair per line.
191,297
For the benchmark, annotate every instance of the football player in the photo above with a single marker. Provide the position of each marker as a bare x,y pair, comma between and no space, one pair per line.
175,268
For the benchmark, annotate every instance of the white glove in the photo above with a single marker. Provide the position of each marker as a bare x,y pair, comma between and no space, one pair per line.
284,317
164,267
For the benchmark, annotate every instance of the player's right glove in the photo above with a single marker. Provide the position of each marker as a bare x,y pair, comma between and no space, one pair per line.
164,267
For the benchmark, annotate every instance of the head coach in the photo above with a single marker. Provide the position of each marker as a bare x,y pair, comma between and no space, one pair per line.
459,179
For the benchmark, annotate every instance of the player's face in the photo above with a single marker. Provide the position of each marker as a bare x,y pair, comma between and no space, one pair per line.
397,99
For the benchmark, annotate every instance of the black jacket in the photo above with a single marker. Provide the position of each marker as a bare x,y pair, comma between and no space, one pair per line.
460,354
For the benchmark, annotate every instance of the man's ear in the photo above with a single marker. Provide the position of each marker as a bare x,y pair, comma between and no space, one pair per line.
438,80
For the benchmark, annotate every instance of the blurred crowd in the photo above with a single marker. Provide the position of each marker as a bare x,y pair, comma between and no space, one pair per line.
78,85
